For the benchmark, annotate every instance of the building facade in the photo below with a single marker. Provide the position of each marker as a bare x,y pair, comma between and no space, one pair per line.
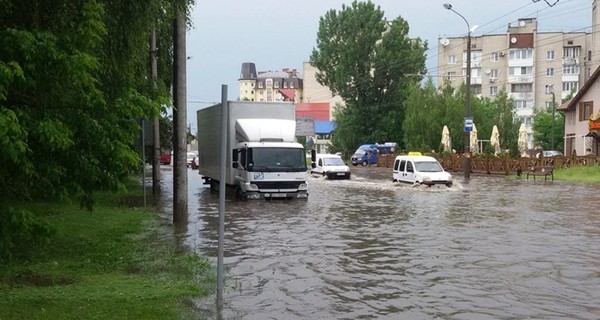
269,86
529,65
582,119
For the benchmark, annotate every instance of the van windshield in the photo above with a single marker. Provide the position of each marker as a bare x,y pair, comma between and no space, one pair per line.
333,162
428,166
359,152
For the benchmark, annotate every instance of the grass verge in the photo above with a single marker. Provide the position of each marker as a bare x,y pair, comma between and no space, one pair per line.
116,262
583,174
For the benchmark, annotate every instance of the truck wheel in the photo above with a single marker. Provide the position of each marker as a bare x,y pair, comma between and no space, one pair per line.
364,163
239,194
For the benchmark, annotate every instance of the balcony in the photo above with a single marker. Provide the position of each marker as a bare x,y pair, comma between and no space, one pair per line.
520,78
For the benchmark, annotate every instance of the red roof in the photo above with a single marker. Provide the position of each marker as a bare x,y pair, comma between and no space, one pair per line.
319,111
288,93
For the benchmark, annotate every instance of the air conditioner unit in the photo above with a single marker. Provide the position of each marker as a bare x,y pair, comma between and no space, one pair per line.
501,53
492,80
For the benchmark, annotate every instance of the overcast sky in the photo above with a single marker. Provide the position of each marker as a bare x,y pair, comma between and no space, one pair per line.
277,34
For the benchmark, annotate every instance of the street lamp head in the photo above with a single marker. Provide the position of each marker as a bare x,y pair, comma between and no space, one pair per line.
448,6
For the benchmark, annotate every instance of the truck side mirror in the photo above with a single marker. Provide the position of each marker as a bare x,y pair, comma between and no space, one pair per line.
313,155
313,165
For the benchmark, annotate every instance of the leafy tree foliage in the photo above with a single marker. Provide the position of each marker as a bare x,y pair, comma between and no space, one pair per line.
370,63
75,82
543,125
428,110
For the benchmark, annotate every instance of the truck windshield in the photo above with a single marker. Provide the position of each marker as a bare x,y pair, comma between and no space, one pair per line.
428,166
277,159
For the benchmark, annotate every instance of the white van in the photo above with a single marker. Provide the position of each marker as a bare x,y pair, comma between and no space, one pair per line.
330,165
420,170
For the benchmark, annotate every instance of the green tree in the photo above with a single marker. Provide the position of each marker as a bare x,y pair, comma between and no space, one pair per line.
74,82
544,128
370,63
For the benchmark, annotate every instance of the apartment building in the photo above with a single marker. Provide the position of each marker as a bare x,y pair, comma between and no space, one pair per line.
269,86
528,64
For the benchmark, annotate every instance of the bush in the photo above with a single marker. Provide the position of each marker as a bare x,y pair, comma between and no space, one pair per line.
21,228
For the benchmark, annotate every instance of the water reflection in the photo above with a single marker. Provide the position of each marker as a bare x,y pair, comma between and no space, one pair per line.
494,248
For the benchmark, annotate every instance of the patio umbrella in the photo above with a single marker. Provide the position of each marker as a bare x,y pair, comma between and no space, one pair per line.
446,140
495,139
522,141
474,146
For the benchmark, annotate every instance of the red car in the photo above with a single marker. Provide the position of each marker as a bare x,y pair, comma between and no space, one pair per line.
165,159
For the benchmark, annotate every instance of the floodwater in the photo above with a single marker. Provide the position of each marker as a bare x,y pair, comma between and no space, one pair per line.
492,247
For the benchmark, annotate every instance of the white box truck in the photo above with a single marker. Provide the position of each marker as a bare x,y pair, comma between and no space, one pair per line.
263,159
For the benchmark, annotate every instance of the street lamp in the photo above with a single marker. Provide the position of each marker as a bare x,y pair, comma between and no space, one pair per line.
467,96
553,114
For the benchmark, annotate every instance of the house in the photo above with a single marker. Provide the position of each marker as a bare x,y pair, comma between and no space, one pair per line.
582,119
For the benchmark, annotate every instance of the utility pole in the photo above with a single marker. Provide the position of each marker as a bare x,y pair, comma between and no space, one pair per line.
180,189
468,118
156,127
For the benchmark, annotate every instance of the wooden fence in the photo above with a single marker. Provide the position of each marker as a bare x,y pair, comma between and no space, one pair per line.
502,165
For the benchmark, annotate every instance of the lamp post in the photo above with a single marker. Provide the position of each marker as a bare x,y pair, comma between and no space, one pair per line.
467,96
553,115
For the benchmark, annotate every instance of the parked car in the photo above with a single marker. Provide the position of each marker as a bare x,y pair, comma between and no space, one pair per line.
331,166
165,158
420,170
550,153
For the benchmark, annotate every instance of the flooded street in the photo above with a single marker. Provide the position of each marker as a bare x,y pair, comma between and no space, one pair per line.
494,247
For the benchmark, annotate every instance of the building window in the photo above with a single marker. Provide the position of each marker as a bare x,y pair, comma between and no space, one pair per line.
548,89
550,55
260,85
571,69
269,83
585,110
494,57
285,85
549,72
494,73
493,90
571,52
291,85
276,84
520,54
451,75
520,71
451,59
521,87
567,86
519,104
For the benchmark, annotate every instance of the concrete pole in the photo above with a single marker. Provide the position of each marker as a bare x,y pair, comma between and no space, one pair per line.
180,189
156,126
